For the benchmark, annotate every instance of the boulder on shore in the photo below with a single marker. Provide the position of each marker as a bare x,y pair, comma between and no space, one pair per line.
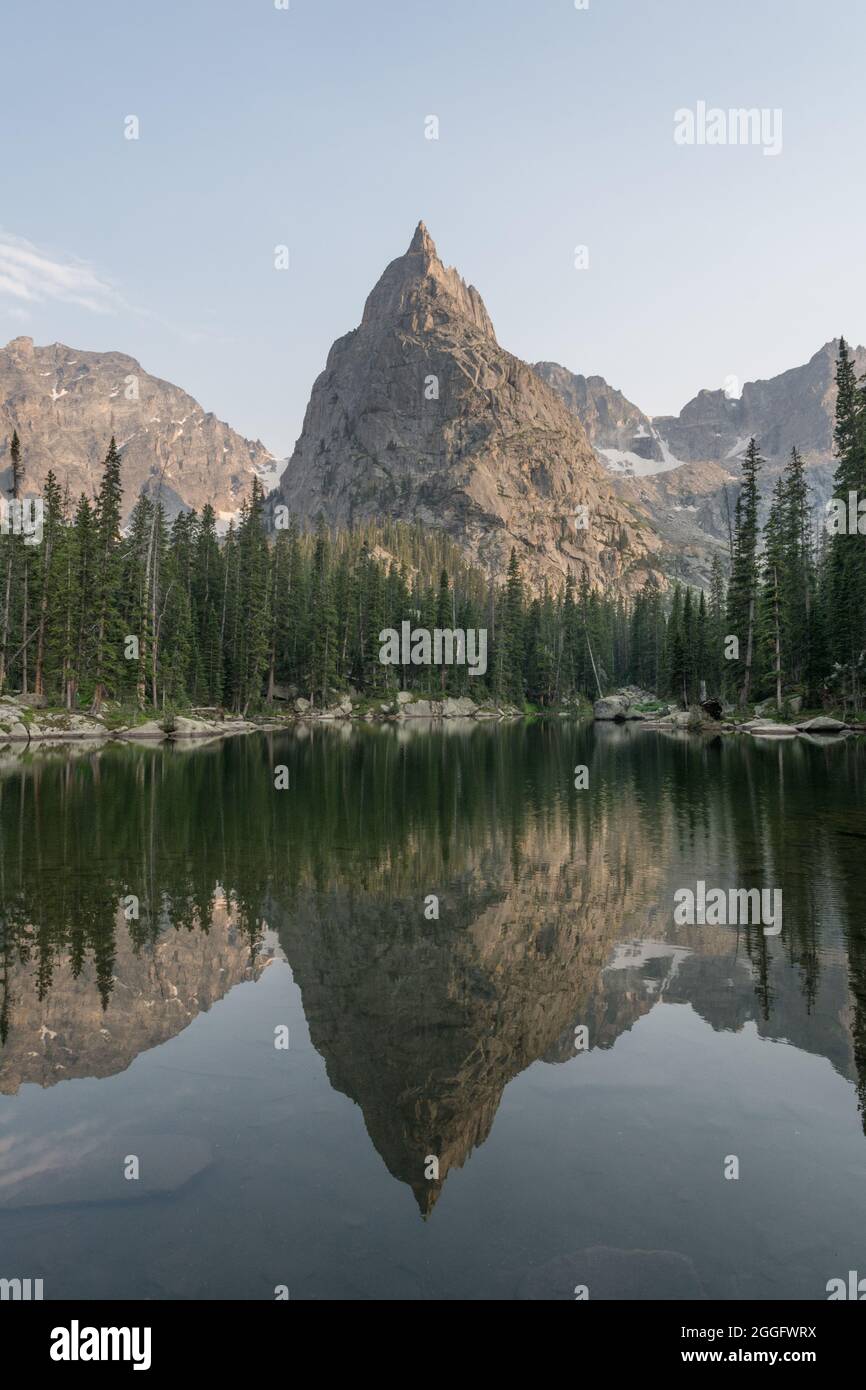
192,728
611,707
150,730
822,724
462,708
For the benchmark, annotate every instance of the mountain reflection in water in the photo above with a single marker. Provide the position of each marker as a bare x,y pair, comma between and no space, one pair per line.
140,886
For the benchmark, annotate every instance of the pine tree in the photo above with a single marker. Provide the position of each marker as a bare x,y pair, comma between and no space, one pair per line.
773,582
53,526
12,548
846,591
323,619
743,589
716,631
105,578
509,650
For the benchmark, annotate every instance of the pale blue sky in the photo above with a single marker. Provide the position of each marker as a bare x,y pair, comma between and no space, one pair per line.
261,126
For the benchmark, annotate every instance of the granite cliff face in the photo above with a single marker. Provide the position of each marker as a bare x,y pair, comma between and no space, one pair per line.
420,415
616,428
684,470
794,408
67,404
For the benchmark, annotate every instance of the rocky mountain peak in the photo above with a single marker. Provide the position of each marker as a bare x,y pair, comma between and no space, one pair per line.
419,289
421,416
422,241
66,404
20,347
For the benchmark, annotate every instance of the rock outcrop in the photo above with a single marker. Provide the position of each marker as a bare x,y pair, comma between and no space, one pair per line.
617,429
421,416
628,703
66,405
684,470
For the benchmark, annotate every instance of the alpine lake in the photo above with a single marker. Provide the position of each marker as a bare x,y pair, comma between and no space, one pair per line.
421,1023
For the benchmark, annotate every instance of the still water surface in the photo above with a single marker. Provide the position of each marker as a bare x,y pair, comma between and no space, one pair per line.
152,1036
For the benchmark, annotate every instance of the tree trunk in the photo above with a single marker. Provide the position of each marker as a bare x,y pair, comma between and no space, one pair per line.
5,638
25,623
778,639
747,683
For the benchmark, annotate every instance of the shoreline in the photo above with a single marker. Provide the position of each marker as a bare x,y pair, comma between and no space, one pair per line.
28,726
641,709
25,727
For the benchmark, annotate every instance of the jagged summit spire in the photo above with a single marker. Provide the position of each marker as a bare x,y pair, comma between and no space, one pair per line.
418,279
422,241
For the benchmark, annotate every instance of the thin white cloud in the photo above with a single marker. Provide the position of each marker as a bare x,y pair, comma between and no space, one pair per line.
31,276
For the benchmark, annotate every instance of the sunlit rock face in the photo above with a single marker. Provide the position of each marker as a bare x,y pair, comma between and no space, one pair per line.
420,415
684,470
66,405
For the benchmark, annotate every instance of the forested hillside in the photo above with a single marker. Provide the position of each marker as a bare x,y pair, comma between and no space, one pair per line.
163,616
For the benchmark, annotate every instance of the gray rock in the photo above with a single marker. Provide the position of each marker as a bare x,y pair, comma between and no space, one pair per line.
611,707
69,402
193,728
822,724
373,444
13,731
150,730
423,709
462,708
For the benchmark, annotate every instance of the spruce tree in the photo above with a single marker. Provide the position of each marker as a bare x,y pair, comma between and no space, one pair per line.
105,579
743,588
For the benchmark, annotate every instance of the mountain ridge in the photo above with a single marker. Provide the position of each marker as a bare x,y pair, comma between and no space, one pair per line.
66,404
422,416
